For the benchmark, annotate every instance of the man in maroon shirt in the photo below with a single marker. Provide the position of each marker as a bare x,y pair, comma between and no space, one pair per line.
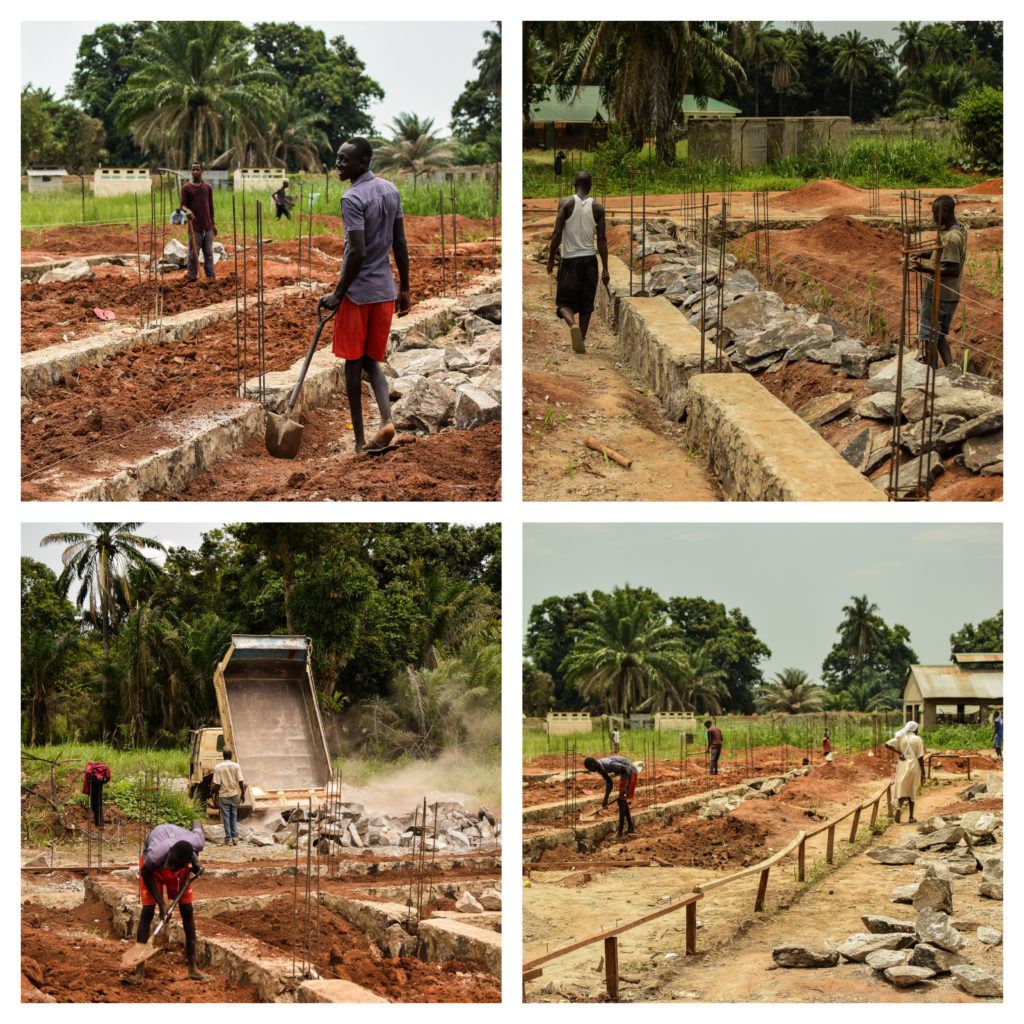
197,202
714,745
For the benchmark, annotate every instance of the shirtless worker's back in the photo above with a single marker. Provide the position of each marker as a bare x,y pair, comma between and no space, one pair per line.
579,223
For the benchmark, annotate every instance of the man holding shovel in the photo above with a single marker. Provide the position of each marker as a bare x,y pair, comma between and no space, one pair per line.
579,222
197,202
365,297
169,862
626,772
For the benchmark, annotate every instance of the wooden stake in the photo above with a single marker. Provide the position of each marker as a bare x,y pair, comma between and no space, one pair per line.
609,453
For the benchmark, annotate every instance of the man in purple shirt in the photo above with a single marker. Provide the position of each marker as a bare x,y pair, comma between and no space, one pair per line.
197,202
365,297
169,862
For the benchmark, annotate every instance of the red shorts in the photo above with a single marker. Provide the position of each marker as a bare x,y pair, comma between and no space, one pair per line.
169,884
363,330
627,787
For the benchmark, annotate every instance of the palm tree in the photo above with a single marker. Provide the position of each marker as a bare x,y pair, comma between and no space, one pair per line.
414,148
453,609
911,46
853,59
195,94
626,649
751,41
791,692
786,54
648,67
861,630
704,686
867,696
101,558
44,658
933,92
488,60
943,44
295,137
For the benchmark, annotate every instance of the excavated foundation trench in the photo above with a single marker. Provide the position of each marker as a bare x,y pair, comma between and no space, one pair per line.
257,943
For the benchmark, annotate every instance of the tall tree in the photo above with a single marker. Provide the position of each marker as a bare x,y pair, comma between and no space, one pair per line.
550,634
985,638
885,664
791,692
911,46
194,93
328,79
414,147
476,113
861,630
626,650
853,59
786,55
100,559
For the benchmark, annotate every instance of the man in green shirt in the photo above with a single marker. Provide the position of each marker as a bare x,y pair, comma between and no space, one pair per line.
953,258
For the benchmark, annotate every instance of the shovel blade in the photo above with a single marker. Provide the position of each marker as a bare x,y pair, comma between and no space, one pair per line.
283,436
137,954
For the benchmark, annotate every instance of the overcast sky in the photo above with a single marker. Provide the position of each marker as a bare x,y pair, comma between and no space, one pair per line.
421,66
884,30
791,580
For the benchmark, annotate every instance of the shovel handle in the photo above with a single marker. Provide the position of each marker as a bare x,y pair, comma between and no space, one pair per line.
322,321
170,910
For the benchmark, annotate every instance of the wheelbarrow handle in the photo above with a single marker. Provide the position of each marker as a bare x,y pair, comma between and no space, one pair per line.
321,323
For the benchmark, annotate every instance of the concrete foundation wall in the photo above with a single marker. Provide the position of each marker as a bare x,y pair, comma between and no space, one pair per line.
447,939
116,181
762,451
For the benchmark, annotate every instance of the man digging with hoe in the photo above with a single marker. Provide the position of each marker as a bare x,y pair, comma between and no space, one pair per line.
169,862
578,222
365,297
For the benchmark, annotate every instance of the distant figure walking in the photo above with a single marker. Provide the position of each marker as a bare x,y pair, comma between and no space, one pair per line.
909,770
715,741
580,221
997,734
615,741
283,202
559,160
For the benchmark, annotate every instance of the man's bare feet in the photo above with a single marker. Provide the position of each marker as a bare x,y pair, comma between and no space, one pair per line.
383,437
196,975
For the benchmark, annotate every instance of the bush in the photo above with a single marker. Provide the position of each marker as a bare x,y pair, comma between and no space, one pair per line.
979,120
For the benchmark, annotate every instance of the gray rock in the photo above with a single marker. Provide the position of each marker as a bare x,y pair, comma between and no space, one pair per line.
904,893
467,903
990,936
856,947
720,806
935,929
984,451
976,981
908,473
825,408
971,380
950,439
459,357
879,406
833,355
490,899
907,975
933,893
879,925
855,364
412,340
428,406
487,306
857,450
806,955
884,958
401,386
992,881
892,855
944,838
418,362
964,402
741,283
76,270
261,839
883,375
753,312
475,407
474,326
934,958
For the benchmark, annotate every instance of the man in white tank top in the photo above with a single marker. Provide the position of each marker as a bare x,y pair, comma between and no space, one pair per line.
579,223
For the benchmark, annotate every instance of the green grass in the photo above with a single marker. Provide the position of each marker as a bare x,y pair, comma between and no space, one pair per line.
472,199
904,163
849,732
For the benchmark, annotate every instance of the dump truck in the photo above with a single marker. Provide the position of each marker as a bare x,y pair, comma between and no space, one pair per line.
270,721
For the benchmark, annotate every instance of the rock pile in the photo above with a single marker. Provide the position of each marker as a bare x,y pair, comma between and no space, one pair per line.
175,256
452,380
349,826
762,333
756,789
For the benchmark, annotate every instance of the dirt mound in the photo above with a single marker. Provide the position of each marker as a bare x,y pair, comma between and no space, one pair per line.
839,233
992,187
695,843
826,193
965,806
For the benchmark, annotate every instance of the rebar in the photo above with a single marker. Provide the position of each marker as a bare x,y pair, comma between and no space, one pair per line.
245,293
494,218
643,237
631,236
704,211
138,249
238,326
455,240
720,296
298,257
440,200
261,327
309,241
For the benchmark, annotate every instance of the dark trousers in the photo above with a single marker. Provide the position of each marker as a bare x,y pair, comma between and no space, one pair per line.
716,753
926,332
204,244
96,801
625,818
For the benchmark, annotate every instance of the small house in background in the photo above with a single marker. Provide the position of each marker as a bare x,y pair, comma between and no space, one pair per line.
121,181
260,179
968,691
45,179
564,723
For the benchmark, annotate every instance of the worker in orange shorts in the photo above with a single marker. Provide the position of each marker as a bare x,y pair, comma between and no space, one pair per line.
365,297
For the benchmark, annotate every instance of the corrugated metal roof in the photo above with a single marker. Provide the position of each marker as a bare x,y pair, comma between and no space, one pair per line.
967,659
938,682
46,172
587,107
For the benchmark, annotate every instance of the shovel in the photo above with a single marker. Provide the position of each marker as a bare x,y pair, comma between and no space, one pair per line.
283,434
142,951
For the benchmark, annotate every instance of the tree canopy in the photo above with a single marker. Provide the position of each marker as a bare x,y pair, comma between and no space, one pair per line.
984,638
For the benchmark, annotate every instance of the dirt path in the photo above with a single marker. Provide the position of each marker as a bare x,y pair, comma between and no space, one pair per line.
741,970
568,398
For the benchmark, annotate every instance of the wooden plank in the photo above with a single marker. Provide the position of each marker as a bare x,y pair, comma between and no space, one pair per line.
691,929
762,888
565,950
754,868
801,862
831,847
611,967
532,975
855,825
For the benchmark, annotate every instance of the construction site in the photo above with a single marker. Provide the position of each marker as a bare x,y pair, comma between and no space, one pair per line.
139,385
764,346
332,892
782,878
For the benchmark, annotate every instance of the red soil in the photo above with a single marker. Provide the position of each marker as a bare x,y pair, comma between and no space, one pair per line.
342,951
992,187
82,968
454,465
826,194
716,844
963,806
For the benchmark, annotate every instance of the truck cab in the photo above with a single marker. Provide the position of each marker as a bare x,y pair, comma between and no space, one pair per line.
206,748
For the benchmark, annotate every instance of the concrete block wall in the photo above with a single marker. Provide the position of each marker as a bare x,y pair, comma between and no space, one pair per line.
120,181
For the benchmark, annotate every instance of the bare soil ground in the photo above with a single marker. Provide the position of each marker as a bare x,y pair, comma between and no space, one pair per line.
733,963
569,397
